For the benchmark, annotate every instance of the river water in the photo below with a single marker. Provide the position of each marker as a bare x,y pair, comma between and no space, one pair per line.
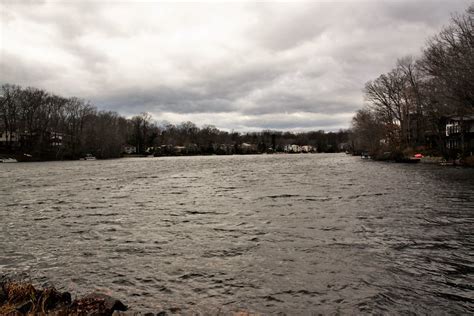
293,234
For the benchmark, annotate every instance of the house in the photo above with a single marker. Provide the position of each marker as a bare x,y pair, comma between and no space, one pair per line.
56,139
246,148
6,137
129,149
460,134
179,149
344,147
292,148
307,149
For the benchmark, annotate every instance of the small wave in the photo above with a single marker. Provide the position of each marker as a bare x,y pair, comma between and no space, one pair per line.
300,292
233,252
279,196
455,297
192,276
271,298
330,228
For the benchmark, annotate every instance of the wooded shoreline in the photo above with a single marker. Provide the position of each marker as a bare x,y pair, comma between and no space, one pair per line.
424,104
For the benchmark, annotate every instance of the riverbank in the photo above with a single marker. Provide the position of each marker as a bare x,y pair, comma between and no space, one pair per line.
22,298
434,160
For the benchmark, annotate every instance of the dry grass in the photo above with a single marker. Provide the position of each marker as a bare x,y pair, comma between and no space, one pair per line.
16,295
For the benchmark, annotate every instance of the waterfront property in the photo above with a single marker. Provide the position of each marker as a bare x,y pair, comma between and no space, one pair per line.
129,149
8,139
460,134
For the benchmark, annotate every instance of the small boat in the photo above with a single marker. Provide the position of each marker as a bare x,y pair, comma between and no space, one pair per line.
89,157
8,160
415,158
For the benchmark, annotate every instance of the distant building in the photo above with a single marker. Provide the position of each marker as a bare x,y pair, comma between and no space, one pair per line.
344,147
460,134
293,148
179,149
246,148
308,149
6,137
57,139
129,149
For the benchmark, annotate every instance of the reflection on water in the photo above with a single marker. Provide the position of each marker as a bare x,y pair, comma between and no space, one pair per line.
281,233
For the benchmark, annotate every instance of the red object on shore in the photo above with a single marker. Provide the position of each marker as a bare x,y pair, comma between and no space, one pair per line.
418,156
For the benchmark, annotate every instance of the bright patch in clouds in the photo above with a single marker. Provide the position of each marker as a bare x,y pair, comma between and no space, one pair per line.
237,65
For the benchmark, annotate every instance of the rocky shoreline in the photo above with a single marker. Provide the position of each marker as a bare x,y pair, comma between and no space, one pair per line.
22,298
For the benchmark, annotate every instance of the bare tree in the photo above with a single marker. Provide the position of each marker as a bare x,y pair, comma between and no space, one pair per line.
369,131
76,113
141,130
448,61
10,112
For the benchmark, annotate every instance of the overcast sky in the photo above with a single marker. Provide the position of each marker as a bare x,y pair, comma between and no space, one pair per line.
237,65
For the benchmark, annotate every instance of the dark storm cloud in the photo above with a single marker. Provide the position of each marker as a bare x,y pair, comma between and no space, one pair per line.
235,65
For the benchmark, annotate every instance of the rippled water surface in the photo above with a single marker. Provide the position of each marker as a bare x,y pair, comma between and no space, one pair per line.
271,233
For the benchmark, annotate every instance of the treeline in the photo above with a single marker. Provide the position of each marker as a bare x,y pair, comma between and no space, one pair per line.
408,108
37,124
43,125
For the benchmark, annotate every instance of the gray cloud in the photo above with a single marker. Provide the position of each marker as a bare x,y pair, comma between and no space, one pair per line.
159,99
241,66
25,72
291,123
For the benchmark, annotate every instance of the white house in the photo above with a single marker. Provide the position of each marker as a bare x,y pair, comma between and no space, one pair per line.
129,149
6,137
56,139
307,149
293,148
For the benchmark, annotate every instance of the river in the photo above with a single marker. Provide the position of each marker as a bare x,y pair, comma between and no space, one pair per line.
294,234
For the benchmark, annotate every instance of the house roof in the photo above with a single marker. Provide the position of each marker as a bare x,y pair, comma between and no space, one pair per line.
463,118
